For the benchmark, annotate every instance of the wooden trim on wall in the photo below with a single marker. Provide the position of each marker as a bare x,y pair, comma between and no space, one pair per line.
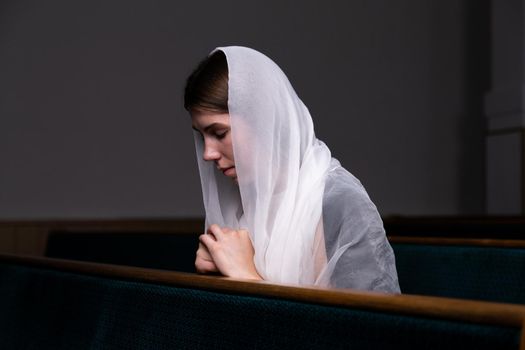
522,169
481,242
423,306
128,225
30,237
455,219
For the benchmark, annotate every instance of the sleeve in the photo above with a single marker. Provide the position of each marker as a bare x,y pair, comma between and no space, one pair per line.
358,253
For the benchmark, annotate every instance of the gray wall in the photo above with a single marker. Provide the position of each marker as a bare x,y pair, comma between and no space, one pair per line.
91,116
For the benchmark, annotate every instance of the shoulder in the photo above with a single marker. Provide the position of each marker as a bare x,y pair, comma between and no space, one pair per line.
340,183
345,193
355,237
347,206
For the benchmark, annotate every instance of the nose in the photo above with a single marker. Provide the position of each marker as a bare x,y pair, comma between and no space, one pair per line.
210,151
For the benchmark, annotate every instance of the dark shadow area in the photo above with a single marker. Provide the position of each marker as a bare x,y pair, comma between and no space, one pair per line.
143,249
504,227
472,126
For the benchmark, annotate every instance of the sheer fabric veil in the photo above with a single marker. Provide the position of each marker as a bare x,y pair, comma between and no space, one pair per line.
282,171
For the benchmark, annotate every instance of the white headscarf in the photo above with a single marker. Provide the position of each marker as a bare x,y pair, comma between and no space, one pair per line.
282,170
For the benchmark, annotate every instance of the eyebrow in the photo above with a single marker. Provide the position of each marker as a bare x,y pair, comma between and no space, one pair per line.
212,125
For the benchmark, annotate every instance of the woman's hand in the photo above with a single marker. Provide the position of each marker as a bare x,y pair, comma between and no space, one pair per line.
203,261
231,251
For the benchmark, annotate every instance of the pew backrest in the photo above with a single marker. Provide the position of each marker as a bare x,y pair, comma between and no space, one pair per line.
57,304
159,250
483,269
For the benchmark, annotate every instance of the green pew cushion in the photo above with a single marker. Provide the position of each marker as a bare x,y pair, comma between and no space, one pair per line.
47,309
484,273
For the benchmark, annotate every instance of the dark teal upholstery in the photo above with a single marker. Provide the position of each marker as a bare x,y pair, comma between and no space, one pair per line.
485,273
45,309
494,274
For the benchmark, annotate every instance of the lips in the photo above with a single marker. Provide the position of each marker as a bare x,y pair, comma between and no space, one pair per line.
228,171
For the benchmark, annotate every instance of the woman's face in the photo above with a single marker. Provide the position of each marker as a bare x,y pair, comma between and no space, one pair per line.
214,127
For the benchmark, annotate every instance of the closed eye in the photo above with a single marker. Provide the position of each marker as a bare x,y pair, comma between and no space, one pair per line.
221,135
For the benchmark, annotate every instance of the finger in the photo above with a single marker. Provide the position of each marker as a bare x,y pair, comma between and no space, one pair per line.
226,230
216,231
243,232
205,266
203,252
208,241
210,233
203,247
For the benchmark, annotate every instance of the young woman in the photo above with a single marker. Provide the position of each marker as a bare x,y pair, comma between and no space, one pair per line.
278,206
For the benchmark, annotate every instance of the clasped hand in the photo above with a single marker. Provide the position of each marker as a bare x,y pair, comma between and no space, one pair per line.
227,251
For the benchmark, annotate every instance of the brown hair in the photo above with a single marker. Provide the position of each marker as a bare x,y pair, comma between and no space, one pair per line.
207,87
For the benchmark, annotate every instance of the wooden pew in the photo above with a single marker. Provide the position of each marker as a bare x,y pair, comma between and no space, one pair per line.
159,250
476,257
482,269
464,257
30,237
490,269
59,304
